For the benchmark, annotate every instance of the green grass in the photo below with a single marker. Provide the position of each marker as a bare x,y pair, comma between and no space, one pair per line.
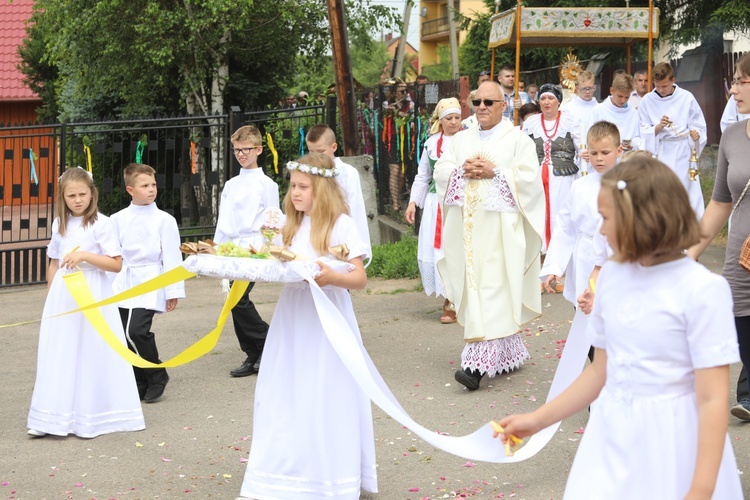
395,260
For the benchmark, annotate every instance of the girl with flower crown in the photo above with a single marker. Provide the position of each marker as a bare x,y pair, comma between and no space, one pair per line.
312,425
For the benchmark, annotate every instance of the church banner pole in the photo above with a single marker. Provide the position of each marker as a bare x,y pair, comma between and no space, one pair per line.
518,59
650,42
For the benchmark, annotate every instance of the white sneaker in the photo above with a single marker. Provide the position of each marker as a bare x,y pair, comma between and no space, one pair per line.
36,434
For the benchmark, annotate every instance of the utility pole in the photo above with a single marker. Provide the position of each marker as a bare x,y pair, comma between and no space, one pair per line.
452,37
401,51
342,67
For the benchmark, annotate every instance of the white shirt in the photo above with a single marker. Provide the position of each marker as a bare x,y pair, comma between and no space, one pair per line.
348,179
243,201
150,243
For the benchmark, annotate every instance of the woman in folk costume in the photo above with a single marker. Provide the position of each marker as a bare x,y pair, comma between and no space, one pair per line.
557,140
493,218
447,122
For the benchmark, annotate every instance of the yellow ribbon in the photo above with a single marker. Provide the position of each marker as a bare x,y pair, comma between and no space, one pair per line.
87,150
21,323
511,442
274,153
401,132
592,285
81,293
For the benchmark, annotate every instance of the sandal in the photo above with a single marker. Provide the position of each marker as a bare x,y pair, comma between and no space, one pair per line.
449,315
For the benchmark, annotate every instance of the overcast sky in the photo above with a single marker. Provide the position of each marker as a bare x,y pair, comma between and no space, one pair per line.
414,20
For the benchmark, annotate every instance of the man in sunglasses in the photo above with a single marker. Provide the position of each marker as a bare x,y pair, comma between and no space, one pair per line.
493,218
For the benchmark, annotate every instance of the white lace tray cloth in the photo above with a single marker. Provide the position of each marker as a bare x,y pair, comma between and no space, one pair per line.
269,270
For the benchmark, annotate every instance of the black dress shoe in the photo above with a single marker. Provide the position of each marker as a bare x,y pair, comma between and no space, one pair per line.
155,392
247,368
469,378
256,365
142,391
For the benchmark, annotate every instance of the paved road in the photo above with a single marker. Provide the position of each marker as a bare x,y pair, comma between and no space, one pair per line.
198,436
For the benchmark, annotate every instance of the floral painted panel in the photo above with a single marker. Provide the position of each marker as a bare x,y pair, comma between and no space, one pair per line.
575,22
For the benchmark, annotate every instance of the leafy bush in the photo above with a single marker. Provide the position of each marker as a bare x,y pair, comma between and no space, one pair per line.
395,260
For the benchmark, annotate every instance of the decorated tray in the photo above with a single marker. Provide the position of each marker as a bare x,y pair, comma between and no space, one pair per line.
269,270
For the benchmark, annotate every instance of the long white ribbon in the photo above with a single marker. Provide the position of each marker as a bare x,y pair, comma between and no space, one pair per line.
478,445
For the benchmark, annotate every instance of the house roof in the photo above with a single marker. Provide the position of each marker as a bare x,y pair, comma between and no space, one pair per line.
13,16
393,41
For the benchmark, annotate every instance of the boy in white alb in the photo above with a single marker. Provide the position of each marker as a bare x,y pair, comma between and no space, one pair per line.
321,139
578,220
150,243
617,110
243,202
672,125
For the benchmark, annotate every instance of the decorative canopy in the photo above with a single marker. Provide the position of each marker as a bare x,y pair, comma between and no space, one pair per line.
548,27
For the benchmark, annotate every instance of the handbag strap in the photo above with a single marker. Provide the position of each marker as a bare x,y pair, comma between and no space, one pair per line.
742,195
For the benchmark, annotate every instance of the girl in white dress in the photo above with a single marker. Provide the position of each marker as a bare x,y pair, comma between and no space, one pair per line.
664,334
83,386
312,425
447,123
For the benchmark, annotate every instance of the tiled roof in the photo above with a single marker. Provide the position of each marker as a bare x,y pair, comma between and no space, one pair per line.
13,16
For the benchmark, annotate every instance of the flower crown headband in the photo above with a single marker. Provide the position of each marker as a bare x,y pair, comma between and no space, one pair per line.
90,173
309,169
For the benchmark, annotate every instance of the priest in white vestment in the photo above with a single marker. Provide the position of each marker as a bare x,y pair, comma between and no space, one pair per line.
493,220
672,124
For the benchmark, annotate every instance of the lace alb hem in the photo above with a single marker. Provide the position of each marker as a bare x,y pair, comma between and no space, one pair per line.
431,281
418,194
246,269
500,197
495,356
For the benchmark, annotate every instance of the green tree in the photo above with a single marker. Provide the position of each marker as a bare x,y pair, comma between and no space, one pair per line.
137,57
442,69
681,21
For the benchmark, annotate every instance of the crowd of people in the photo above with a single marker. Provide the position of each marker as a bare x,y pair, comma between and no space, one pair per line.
599,193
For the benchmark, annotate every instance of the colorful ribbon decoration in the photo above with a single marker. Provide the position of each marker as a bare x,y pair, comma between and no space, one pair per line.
375,136
401,145
32,169
140,148
81,293
274,153
87,152
193,158
419,140
301,141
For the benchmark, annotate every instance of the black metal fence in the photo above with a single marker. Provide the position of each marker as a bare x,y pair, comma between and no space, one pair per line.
189,154
396,141
191,157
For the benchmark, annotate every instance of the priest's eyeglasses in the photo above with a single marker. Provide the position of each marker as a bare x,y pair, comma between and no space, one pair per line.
243,151
739,83
487,102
